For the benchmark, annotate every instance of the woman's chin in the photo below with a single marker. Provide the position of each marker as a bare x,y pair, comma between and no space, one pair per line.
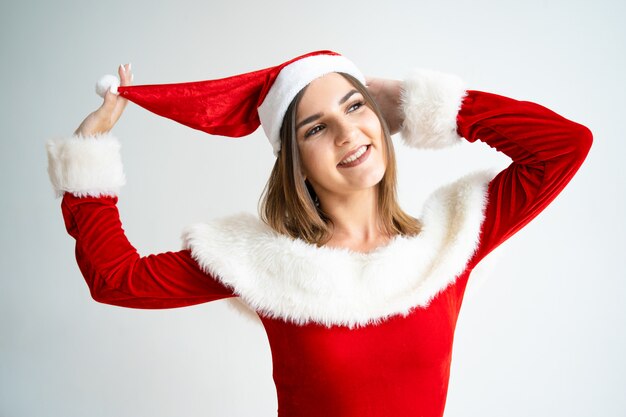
367,180
366,177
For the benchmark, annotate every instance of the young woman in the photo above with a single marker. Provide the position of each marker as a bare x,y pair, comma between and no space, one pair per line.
359,299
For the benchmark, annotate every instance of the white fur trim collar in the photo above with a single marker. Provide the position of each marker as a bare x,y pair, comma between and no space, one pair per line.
286,278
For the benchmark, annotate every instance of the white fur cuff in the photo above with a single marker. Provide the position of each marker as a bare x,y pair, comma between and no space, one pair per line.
86,166
430,103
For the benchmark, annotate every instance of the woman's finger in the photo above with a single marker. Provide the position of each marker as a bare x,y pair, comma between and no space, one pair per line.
110,101
126,76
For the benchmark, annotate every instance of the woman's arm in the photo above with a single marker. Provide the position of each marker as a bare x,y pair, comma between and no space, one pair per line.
115,272
546,149
87,172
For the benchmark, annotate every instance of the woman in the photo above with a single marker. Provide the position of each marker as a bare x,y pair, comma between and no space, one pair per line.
359,300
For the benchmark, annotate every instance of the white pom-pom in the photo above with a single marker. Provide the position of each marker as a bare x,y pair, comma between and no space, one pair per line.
106,83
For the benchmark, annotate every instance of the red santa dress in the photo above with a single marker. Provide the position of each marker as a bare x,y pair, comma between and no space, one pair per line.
351,334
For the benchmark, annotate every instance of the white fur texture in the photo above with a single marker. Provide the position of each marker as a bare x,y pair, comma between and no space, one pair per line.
430,102
86,166
281,277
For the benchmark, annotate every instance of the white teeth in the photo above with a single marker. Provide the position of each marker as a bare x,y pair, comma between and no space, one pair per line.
354,156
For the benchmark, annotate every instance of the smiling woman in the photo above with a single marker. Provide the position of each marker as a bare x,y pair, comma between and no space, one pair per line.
359,300
317,174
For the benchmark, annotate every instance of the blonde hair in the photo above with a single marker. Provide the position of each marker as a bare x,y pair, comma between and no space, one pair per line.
289,203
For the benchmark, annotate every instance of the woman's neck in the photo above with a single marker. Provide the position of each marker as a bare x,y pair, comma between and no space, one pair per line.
356,223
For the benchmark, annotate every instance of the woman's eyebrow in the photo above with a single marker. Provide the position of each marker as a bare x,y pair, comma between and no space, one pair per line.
309,120
318,115
347,96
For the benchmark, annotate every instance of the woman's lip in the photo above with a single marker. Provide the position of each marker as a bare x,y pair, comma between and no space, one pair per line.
352,152
358,161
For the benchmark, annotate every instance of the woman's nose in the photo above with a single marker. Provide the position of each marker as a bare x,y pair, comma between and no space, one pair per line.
346,133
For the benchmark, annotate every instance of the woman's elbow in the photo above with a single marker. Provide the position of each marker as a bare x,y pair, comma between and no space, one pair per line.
110,286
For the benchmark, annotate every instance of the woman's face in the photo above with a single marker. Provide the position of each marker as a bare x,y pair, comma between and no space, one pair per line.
339,138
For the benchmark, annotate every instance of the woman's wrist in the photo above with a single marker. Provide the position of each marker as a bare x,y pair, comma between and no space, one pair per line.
89,165
431,101
87,133
82,131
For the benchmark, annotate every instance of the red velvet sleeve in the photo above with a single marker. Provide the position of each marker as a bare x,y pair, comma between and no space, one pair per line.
546,150
115,272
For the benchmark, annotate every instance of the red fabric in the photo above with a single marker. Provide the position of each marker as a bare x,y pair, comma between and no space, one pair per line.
399,367
115,272
226,107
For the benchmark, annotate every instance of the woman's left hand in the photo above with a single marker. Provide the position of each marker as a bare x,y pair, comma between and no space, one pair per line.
104,118
387,94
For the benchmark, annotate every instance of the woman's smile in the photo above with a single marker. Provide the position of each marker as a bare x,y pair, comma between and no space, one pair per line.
356,157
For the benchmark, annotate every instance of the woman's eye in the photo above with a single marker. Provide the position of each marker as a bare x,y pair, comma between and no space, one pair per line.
356,106
313,131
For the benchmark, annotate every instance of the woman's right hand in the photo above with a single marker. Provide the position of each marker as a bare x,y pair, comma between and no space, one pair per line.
387,94
104,118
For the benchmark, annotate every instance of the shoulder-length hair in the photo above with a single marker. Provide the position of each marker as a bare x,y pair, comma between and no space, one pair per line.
289,204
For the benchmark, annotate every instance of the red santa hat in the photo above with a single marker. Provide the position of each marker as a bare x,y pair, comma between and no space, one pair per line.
237,105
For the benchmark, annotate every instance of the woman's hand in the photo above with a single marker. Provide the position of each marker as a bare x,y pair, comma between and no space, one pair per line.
103,119
387,94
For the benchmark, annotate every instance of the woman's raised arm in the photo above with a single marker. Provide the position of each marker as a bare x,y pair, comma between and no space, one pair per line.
114,271
86,170
546,149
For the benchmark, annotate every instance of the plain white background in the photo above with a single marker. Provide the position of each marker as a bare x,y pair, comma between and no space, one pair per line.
543,336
